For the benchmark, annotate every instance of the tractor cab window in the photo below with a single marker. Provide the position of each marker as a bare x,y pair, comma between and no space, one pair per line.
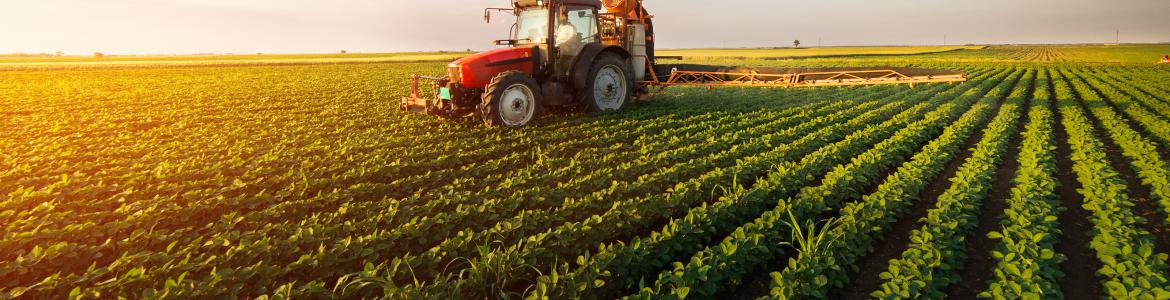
576,27
532,26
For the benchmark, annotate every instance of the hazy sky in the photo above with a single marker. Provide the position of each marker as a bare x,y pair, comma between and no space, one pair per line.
298,26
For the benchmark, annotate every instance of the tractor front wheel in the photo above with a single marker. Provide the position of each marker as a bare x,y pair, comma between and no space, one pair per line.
609,85
512,99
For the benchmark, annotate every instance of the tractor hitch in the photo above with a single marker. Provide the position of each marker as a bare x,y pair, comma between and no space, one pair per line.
439,103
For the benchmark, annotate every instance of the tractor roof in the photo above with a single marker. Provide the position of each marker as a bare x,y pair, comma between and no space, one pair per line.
527,3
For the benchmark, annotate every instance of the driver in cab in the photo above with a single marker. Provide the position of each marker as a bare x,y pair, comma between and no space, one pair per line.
568,40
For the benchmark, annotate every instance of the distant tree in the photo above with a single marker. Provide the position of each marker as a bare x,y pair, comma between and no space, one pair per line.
468,50
342,51
60,53
796,44
99,54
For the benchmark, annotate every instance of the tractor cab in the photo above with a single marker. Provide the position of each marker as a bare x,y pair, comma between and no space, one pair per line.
565,29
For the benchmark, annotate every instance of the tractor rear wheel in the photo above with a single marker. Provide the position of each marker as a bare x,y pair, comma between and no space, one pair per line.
610,84
512,99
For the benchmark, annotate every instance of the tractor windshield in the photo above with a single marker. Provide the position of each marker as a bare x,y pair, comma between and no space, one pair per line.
532,26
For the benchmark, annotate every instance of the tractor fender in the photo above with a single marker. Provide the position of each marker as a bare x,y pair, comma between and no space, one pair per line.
585,61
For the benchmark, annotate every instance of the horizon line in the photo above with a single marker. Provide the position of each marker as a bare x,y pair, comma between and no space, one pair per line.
339,52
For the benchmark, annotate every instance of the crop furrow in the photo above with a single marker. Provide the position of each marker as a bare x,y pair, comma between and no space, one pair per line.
827,264
1130,268
715,270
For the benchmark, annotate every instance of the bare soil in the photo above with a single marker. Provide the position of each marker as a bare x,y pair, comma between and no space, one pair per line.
1074,241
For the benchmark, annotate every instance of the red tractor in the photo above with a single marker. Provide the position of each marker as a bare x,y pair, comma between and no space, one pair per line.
563,53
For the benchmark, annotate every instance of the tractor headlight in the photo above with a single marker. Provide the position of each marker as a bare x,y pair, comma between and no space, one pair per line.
453,73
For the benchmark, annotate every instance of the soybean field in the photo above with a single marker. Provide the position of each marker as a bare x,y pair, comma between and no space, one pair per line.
1045,175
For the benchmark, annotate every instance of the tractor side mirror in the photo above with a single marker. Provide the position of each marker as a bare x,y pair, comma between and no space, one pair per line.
487,13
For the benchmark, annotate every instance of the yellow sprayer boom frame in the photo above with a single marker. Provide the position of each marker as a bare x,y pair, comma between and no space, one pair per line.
800,79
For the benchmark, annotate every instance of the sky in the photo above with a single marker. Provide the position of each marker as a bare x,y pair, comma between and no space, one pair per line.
328,26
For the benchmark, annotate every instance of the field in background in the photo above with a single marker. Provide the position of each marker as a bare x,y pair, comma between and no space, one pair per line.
1044,176
811,52
18,62
1107,54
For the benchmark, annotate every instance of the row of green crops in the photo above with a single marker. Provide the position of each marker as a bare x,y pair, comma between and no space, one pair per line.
421,230
1027,264
937,248
1130,267
812,273
1140,152
647,214
752,244
621,265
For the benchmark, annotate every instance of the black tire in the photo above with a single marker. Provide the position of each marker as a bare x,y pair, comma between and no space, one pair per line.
587,95
495,110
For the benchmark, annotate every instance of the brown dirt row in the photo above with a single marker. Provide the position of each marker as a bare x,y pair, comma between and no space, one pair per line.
1082,263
